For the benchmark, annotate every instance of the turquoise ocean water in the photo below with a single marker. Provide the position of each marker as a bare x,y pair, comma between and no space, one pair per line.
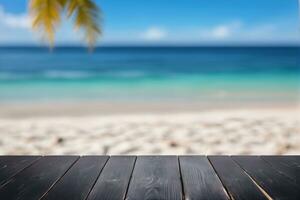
150,74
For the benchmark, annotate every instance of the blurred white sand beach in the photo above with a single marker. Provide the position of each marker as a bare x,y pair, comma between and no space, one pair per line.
221,131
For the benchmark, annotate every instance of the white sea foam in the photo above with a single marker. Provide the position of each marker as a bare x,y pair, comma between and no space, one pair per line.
12,76
67,74
125,74
63,74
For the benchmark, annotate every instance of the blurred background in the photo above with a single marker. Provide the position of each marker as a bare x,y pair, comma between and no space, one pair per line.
192,77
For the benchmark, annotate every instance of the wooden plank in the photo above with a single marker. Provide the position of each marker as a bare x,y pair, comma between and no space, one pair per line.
286,165
11,165
114,179
274,183
37,179
155,177
200,180
237,183
79,180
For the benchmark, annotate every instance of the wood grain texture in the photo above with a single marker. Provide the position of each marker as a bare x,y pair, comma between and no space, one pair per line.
149,177
274,183
286,165
37,179
155,177
11,165
237,183
78,181
200,180
114,179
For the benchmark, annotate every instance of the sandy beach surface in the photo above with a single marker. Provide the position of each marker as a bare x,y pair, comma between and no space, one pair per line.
231,131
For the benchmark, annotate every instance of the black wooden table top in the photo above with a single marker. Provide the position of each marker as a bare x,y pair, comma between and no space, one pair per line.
149,177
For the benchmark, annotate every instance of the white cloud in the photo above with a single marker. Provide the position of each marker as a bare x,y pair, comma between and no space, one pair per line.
14,20
237,31
262,31
221,31
154,34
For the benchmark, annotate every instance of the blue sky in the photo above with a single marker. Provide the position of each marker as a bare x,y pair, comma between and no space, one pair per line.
195,22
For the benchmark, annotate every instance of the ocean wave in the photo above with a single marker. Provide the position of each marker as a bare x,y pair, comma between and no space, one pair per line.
57,74
125,74
68,74
91,74
12,76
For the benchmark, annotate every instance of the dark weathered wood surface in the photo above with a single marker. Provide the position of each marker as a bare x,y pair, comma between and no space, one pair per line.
200,180
237,183
11,165
78,181
155,177
274,183
114,179
287,165
34,181
149,177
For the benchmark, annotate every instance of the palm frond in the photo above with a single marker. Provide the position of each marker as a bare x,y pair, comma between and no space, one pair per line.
87,17
62,2
46,15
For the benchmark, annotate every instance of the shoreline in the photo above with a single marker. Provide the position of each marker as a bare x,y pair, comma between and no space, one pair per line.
93,108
